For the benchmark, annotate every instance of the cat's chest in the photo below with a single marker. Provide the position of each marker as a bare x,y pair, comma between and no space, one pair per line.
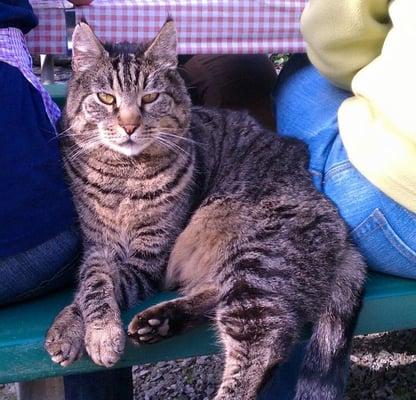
117,205
110,200
126,212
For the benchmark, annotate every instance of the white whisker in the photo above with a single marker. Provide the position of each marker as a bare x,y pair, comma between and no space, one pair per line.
169,145
185,139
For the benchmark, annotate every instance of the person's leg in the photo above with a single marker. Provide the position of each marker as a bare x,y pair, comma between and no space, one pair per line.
383,230
47,267
282,382
238,82
44,268
306,107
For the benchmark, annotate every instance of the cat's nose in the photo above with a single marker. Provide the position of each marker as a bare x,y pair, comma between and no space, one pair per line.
129,128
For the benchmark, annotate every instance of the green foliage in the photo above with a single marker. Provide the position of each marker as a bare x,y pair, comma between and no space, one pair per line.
279,59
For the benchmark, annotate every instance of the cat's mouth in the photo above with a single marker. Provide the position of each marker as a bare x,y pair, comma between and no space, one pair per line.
129,147
129,141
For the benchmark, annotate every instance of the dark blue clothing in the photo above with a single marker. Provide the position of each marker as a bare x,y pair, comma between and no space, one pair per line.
35,202
17,14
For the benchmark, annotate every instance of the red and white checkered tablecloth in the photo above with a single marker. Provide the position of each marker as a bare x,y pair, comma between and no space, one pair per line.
49,37
204,26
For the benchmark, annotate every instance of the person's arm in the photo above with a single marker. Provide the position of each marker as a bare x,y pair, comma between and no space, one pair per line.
343,36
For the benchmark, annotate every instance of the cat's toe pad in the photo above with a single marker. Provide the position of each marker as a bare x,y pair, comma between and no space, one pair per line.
105,343
151,325
63,349
64,340
148,330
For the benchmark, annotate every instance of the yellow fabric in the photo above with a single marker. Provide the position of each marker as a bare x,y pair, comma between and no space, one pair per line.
377,124
342,36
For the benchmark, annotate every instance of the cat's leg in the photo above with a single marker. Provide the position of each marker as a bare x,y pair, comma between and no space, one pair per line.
325,366
171,317
94,317
258,331
98,298
65,339
106,283
109,282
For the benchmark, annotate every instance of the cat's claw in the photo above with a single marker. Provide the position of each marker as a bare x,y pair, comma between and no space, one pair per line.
64,340
105,343
65,350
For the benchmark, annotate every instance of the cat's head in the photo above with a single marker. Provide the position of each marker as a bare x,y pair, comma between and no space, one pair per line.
128,98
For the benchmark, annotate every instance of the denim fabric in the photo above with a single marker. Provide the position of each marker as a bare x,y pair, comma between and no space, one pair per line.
282,382
46,267
306,106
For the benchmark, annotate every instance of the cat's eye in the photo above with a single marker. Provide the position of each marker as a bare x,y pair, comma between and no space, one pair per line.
106,98
150,97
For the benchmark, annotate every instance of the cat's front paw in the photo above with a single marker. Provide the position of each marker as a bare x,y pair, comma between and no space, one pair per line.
64,340
104,342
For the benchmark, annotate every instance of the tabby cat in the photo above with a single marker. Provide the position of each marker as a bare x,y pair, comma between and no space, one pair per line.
205,201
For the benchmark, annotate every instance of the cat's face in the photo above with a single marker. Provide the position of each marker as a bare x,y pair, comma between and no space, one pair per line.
130,99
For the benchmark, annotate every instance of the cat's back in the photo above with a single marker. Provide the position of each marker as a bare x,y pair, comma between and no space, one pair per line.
232,147
259,173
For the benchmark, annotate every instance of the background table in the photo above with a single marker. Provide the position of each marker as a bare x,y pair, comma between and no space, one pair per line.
204,26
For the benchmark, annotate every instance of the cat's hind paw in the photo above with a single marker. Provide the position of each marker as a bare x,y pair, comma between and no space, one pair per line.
64,340
151,330
157,322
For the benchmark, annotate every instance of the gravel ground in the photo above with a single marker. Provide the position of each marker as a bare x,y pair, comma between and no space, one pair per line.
383,367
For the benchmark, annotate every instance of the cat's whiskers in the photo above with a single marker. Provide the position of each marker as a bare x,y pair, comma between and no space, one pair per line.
185,139
172,146
171,132
175,145
62,133
166,144
79,150
167,137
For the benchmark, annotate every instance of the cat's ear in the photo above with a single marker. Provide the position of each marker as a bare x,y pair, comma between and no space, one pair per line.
162,51
87,50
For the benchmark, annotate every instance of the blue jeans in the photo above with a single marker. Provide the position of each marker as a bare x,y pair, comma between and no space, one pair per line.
51,266
306,106
44,268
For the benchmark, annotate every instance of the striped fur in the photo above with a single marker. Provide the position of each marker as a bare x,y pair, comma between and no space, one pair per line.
205,201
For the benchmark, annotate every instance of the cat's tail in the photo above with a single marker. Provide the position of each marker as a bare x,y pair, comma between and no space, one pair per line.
325,367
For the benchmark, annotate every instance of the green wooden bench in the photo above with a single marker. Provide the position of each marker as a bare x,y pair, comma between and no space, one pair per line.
389,305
